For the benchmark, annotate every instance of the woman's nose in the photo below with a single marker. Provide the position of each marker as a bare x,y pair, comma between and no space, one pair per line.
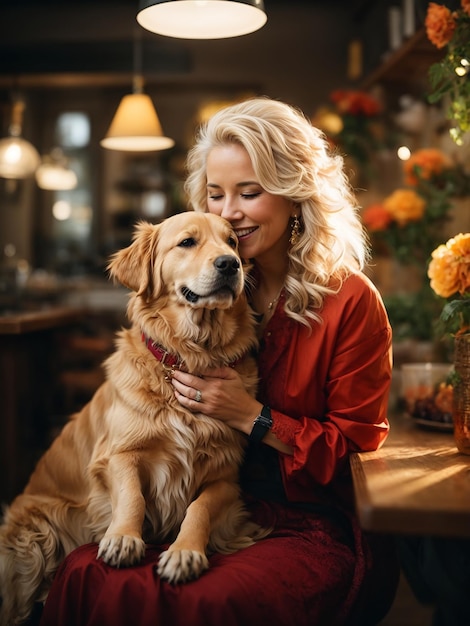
230,209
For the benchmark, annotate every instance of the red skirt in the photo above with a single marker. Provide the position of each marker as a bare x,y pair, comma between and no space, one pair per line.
307,572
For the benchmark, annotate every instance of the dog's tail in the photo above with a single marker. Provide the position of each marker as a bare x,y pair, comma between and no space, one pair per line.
31,549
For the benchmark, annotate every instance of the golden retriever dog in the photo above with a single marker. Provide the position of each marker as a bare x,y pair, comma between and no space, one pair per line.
133,464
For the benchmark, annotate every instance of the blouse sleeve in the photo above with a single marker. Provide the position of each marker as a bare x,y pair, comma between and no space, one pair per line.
342,378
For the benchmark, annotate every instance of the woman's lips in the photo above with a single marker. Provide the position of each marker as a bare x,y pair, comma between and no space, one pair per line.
242,233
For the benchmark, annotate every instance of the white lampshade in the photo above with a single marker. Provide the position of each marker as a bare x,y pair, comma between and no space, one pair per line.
55,176
136,127
201,19
54,172
18,158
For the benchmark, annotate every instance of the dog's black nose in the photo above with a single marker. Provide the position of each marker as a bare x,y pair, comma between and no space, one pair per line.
227,264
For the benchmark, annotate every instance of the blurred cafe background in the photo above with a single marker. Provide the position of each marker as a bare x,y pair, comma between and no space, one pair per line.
360,69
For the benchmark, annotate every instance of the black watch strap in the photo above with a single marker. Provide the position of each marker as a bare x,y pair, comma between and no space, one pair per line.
261,425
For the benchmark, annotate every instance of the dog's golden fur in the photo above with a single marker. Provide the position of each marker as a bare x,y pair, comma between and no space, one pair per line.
134,466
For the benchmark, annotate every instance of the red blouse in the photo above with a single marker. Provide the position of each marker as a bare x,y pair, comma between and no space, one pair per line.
328,388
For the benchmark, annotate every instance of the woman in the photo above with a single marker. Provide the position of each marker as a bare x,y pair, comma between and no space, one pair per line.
325,367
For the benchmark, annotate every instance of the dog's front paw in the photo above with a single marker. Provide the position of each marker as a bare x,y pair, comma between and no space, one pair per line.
181,566
121,550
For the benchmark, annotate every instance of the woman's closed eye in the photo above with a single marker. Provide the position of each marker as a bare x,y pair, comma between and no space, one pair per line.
244,196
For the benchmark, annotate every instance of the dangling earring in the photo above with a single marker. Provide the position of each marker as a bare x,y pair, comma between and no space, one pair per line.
295,232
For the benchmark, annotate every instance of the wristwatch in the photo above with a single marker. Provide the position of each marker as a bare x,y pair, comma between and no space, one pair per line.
261,425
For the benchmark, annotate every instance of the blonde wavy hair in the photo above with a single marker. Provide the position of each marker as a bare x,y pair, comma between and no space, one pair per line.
291,158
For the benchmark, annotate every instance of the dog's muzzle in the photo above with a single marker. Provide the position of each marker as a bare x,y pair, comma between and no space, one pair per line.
225,279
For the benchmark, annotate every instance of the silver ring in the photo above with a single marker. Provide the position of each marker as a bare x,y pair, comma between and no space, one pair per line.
198,396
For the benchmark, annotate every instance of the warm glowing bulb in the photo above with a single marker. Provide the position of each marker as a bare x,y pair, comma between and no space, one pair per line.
460,71
403,153
18,158
61,210
13,154
55,176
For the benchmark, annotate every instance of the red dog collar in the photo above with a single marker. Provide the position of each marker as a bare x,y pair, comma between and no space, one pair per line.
167,359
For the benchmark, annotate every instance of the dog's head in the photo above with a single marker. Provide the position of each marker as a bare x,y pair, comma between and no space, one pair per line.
190,257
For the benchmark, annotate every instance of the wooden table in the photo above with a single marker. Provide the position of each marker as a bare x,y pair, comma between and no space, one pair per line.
416,484
28,359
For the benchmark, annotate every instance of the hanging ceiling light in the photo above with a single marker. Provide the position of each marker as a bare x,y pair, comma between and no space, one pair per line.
135,126
201,19
18,157
54,172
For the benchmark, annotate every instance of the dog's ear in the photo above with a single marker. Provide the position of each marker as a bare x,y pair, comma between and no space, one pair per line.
133,266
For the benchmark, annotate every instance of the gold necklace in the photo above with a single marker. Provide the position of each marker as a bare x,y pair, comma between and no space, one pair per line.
273,302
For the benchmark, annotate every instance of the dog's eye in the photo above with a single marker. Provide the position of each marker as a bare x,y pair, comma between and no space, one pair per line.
232,242
189,242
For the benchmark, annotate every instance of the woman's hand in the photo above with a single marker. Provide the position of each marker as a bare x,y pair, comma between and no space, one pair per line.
219,394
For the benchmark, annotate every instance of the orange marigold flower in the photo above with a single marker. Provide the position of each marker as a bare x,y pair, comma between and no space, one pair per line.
466,6
430,162
376,217
449,269
440,24
460,248
443,272
405,205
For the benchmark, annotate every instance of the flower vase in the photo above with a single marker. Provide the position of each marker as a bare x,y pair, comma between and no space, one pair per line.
461,395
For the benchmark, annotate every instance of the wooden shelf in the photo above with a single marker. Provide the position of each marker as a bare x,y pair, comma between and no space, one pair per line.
408,66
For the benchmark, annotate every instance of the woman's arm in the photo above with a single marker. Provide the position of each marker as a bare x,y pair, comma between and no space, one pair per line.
223,397
328,388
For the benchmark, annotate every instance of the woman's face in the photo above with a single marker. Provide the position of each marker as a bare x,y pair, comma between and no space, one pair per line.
260,219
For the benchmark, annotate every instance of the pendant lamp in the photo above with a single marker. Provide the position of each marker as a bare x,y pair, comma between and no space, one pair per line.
201,19
54,172
18,158
135,126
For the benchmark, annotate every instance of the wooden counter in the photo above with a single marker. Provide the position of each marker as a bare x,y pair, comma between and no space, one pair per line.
417,483
34,321
28,359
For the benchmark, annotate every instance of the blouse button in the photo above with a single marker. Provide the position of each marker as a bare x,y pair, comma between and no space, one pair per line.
268,334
